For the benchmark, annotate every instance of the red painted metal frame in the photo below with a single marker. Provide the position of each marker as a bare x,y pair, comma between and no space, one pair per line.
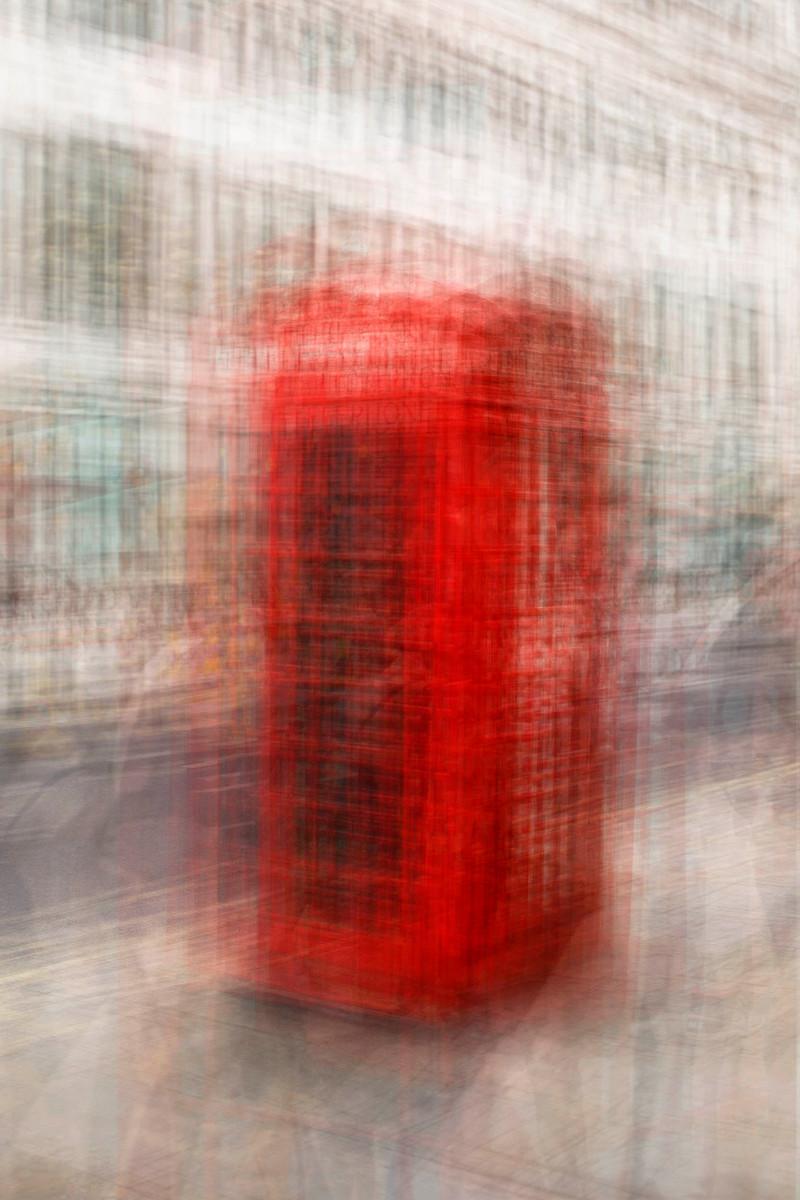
439,682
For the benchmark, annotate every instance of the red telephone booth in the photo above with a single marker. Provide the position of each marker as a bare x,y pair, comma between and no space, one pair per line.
437,685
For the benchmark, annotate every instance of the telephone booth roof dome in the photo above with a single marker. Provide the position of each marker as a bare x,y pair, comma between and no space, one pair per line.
357,322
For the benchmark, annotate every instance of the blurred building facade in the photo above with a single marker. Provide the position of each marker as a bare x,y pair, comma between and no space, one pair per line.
152,150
